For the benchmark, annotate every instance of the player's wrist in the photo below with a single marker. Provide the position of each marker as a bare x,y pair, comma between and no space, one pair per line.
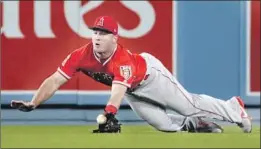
110,109
33,104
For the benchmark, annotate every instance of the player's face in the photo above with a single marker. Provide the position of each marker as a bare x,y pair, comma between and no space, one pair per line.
102,41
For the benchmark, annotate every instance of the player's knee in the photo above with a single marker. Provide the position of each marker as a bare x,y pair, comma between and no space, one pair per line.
167,128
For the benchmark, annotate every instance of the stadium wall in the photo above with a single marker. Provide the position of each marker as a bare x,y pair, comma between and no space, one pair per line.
209,42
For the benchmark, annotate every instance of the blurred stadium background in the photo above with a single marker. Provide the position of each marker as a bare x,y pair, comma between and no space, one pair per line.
213,47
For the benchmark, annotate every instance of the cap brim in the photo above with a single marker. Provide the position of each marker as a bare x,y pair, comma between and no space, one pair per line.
100,29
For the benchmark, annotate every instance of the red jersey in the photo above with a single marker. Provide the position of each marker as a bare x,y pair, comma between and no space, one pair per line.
121,67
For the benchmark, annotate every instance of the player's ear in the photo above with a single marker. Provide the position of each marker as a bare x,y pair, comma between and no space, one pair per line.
115,38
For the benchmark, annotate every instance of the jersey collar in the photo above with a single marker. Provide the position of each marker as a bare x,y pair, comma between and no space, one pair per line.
108,59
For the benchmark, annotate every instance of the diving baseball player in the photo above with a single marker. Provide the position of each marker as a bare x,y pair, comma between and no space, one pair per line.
149,88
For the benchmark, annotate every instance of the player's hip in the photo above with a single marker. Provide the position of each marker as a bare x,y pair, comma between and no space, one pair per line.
158,87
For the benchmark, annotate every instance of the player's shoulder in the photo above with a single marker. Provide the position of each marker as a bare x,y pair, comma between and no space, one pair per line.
82,50
123,51
122,48
122,55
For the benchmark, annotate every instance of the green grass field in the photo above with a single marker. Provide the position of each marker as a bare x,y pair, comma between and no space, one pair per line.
140,136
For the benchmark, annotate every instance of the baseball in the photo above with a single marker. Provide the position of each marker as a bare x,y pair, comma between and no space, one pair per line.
101,119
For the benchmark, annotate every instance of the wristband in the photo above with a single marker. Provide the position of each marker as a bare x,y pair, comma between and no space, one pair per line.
111,109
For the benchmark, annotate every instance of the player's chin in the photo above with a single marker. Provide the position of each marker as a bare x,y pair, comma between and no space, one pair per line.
98,50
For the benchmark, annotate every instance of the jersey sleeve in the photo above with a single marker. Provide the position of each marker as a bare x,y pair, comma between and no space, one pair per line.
70,65
124,74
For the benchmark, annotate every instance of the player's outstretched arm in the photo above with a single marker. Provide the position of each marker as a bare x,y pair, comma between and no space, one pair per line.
48,88
45,91
107,121
117,94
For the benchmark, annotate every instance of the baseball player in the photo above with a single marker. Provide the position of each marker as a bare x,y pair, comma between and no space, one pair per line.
149,88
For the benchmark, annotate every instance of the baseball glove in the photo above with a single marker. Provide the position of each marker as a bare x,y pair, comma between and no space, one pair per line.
112,125
22,105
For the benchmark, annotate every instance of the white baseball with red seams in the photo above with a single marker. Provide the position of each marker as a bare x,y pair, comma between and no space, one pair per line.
101,119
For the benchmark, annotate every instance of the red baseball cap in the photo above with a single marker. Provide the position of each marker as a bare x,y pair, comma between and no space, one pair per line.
105,23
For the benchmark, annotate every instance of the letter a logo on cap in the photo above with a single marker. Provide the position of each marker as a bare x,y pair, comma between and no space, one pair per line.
100,23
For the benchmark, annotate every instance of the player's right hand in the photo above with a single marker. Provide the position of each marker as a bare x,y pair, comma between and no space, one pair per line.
22,105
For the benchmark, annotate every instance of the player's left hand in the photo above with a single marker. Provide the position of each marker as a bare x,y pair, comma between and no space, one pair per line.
112,125
22,105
